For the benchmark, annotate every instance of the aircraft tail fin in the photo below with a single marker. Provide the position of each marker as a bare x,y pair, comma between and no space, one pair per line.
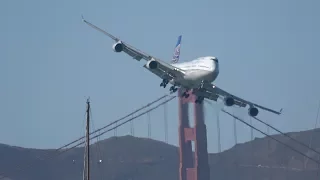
176,53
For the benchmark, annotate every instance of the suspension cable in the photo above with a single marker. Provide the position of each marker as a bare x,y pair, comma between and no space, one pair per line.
293,139
288,146
2,176
125,122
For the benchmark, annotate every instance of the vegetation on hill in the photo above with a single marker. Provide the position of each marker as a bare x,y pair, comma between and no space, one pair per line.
131,158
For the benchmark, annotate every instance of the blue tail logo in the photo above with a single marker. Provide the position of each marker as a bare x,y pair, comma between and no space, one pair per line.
176,53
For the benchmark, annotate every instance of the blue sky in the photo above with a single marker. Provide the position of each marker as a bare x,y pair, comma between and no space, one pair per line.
51,61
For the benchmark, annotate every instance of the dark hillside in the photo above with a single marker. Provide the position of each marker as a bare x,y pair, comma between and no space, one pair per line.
131,158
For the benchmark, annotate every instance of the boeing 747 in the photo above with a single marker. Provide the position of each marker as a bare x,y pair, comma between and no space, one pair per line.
196,76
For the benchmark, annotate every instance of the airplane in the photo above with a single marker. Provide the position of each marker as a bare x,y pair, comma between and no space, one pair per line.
195,76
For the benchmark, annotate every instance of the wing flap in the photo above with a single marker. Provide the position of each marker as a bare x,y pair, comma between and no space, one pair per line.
238,101
209,95
132,53
164,72
158,72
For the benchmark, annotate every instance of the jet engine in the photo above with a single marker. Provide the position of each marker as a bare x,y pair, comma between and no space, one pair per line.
252,111
152,64
117,47
229,101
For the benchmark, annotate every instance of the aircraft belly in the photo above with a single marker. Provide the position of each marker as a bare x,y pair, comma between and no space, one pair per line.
193,79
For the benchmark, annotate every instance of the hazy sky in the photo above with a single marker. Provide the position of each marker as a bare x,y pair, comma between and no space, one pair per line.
51,61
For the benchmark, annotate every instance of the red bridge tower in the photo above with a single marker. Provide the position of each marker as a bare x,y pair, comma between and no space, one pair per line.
196,168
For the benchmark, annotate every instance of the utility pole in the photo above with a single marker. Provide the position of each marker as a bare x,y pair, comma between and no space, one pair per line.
88,140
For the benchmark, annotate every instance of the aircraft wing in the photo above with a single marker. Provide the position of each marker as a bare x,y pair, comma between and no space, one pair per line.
163,69
238,101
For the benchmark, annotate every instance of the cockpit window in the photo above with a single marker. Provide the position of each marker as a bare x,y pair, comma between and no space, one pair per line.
215,60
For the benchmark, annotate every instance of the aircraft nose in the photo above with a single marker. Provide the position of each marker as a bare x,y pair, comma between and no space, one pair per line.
215,69
214,65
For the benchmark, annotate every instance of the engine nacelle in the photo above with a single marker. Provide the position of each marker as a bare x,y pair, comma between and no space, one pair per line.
117,47
152,64
228,101
252,111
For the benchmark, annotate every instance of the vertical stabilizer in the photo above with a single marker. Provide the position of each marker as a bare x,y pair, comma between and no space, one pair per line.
176,53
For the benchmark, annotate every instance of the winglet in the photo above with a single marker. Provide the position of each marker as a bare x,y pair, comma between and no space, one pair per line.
280,111
82,18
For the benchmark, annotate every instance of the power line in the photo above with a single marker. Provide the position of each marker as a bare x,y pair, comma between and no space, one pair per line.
288,146
110,124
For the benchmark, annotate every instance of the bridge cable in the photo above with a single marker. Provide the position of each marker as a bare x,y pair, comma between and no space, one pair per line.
288,146
129,120
2,176
293,139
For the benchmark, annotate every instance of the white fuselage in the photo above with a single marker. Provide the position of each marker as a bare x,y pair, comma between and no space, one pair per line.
196,71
